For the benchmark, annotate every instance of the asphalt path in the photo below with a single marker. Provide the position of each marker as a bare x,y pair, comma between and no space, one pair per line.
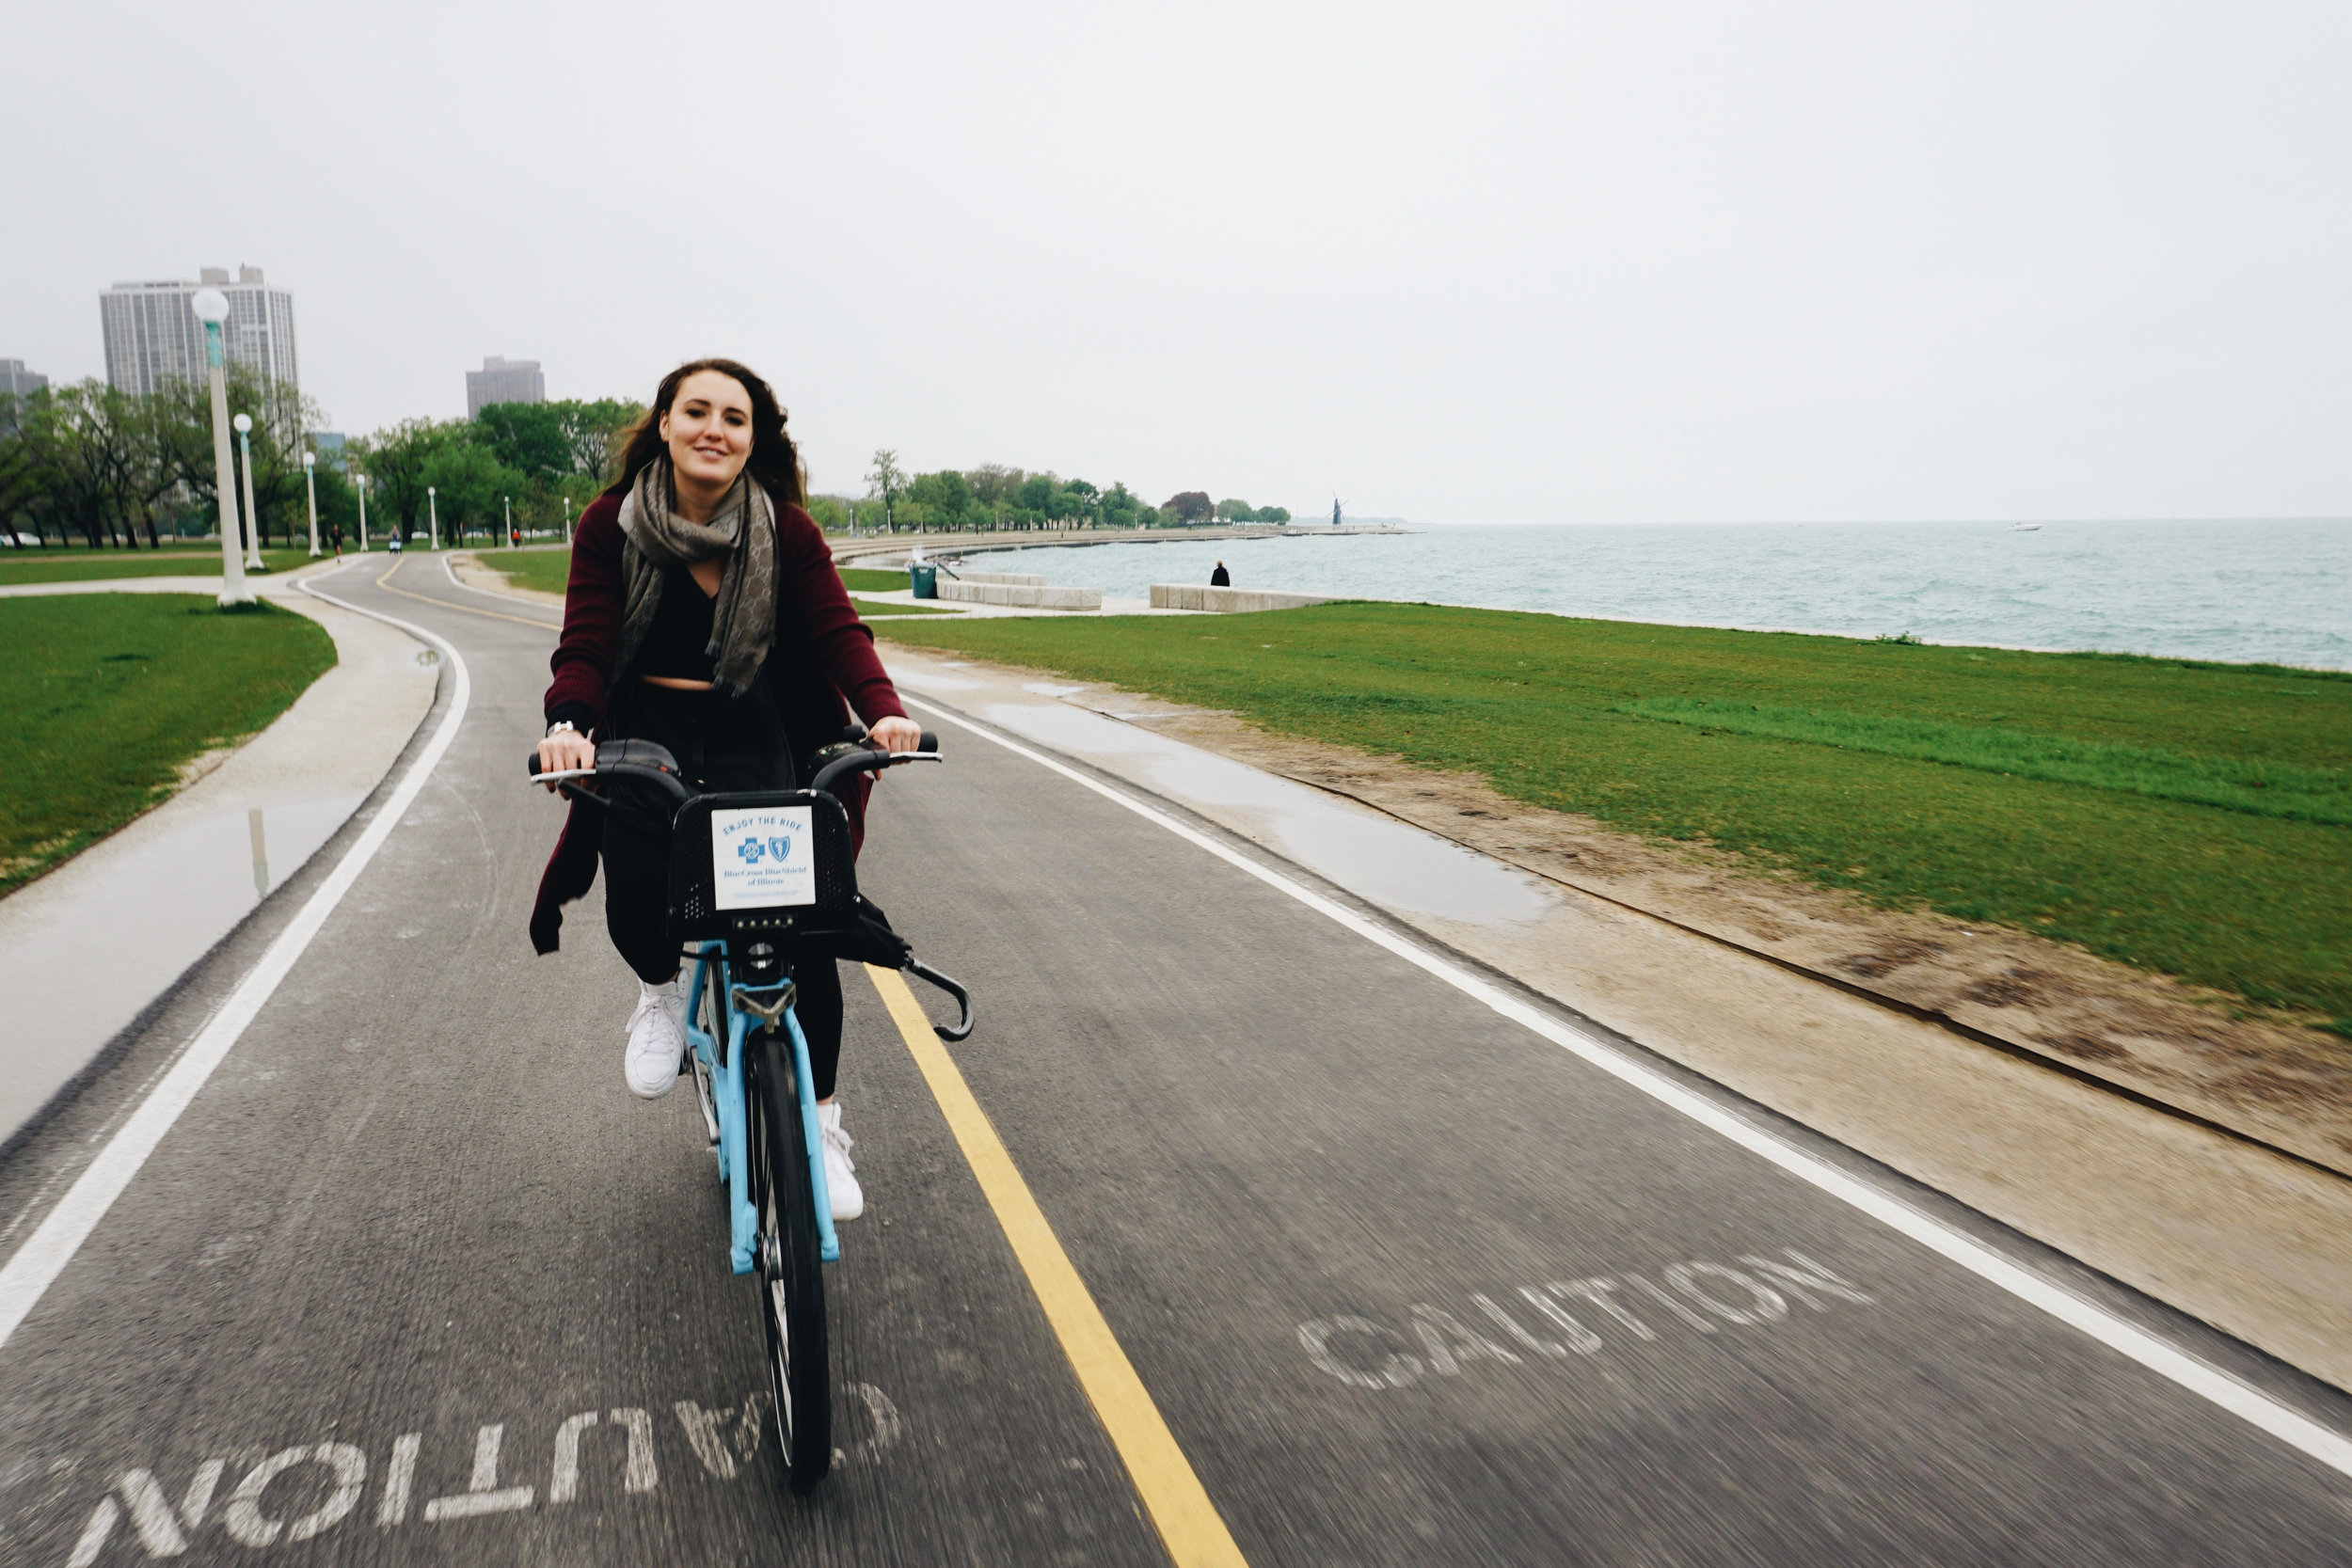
412,1277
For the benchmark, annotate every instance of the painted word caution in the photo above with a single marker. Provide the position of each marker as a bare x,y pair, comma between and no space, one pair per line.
1567,1317
302,1492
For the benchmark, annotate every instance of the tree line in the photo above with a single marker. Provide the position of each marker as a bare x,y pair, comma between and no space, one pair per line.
110,468
992,497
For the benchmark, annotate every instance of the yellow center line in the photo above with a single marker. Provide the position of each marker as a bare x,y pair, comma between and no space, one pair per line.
1189,1525
385,582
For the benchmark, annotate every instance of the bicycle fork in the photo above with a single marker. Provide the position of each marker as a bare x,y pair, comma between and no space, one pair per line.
729,1089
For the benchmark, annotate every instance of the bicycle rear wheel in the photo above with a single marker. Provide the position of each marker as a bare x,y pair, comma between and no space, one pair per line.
792,1272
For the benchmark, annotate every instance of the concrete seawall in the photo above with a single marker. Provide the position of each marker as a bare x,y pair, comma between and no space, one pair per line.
1227,601
1001,579
1021,595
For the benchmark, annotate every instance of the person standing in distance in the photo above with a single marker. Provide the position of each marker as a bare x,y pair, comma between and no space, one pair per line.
703,614
1220,578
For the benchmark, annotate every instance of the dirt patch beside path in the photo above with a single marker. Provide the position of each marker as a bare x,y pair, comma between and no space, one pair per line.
2202,1052
475,574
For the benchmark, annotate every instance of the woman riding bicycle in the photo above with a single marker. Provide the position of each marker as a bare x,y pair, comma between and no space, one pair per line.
703,614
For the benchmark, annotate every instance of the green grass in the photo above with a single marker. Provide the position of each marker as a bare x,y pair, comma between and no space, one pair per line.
871,608
547,570
2184,817
59,565
2254,785
108,694
855,577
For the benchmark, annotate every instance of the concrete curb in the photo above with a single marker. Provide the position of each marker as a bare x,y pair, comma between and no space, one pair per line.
87,950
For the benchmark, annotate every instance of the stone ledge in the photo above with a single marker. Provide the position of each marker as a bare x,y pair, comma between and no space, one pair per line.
1227,601
1020,596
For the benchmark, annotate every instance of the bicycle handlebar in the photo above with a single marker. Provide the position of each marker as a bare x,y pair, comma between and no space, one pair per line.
650,763
926,750
623,759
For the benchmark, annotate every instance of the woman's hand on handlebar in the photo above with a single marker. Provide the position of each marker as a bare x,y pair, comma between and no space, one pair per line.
895,734
565,750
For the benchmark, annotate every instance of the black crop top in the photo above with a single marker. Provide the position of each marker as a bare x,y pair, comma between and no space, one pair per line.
677,645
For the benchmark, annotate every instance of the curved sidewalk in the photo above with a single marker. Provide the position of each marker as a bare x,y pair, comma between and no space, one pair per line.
90,947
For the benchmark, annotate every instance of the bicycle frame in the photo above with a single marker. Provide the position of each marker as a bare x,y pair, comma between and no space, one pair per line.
728,1091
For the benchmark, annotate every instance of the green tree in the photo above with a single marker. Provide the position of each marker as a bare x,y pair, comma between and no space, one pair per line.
23,474
1190,506
993,484
548,441
946,500
1122,508
95,450
471,480
593,429
887,479
529,437
394,460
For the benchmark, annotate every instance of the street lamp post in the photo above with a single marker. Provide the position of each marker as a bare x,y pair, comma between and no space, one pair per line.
508,502
243,423
361,481
212,309
567,522
433,511
310,485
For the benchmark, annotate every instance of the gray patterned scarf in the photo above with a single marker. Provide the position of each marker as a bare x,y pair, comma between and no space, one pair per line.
744,619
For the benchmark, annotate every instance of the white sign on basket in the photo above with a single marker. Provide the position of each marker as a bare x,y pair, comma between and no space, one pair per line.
763,856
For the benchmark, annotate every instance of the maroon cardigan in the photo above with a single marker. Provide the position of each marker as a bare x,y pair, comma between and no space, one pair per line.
821,664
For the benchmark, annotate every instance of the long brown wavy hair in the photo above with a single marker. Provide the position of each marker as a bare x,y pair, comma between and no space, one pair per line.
774,461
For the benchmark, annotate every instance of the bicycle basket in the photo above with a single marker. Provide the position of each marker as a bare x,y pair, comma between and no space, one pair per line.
774,862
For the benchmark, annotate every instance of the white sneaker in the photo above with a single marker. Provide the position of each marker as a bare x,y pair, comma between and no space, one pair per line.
849,1199
657,1040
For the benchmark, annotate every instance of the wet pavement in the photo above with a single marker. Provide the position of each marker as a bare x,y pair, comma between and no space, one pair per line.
85,950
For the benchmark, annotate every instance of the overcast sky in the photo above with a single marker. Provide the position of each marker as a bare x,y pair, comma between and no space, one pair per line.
1553,262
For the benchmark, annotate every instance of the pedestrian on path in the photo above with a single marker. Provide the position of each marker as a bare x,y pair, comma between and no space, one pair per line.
1220,578
703,614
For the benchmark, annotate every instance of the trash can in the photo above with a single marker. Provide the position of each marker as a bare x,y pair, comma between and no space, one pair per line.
926,580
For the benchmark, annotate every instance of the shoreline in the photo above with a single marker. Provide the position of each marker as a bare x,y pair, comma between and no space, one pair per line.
2261,593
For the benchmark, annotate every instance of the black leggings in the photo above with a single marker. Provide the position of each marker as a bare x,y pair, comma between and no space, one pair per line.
719,743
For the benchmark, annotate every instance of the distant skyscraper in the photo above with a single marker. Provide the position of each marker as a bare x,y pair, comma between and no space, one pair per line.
504,380
16,380
153,335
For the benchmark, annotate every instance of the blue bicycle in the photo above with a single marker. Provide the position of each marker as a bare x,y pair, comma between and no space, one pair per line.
758,882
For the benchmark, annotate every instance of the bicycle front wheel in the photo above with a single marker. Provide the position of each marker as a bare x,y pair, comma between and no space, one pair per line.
791,1274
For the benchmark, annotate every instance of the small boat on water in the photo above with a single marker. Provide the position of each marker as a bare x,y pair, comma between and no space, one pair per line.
2025,528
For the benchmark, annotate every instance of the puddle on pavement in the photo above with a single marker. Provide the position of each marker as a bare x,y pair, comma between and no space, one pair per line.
134,922
1396,866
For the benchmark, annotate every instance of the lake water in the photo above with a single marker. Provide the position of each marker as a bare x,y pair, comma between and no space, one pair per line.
2268,591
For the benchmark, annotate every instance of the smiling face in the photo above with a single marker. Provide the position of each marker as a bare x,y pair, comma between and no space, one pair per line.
708,430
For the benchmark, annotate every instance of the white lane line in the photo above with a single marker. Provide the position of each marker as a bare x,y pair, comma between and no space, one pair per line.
2248,1404
46,1252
